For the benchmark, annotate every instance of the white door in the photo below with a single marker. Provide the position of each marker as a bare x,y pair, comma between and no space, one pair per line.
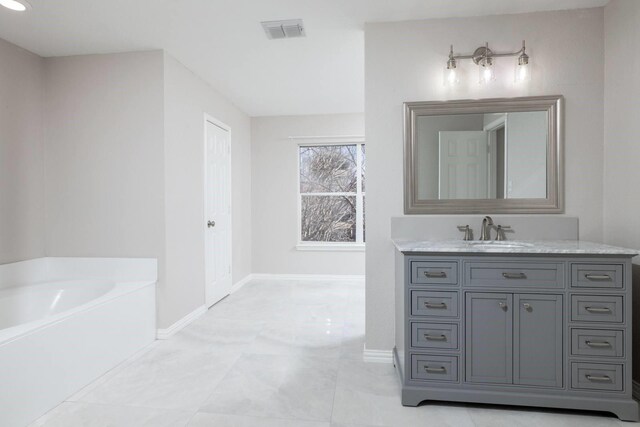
463,165
217,213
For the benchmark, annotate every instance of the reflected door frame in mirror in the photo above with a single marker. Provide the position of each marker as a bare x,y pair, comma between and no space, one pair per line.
553,203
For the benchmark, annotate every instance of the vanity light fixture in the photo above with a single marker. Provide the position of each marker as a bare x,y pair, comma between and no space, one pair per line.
15,5
484,58
451,76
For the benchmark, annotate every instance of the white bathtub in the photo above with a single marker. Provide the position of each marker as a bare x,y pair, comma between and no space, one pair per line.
66,321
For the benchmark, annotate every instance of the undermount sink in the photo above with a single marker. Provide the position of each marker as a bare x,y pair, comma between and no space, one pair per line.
499,244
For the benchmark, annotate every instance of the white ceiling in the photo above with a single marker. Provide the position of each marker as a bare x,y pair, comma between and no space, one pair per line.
223,42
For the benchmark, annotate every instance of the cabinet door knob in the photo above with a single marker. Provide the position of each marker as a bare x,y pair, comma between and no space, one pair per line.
527,306
503,305
211,224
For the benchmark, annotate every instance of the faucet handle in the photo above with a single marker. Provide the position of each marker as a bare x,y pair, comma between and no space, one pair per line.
500,231
468,232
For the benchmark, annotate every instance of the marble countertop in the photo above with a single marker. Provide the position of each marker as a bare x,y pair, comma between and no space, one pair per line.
566,247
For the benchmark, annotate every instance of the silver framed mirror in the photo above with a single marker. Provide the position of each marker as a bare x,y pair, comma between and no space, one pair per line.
484,156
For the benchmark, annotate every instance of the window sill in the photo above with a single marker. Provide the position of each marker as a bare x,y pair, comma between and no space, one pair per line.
331,247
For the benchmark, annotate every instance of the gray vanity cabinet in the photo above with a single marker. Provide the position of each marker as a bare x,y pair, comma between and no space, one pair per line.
532,330
538,336
488,330
513,339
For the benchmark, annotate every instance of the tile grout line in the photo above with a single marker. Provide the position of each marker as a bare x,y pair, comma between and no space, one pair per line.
258,417
335,390
117,405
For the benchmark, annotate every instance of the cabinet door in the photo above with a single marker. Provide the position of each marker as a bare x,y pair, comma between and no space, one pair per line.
538,332
489,331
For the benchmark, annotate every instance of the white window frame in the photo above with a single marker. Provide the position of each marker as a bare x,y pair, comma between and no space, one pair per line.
359,244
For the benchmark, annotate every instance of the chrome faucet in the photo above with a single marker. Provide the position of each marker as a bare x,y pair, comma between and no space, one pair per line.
485,231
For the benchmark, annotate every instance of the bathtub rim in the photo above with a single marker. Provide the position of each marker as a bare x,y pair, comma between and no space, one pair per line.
120,289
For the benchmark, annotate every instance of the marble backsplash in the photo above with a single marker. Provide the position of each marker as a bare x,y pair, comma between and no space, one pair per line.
523,227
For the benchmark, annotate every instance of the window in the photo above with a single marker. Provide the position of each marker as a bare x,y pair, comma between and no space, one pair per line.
331,200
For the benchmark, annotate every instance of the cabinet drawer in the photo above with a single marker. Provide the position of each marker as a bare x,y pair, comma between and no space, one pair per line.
596,376
597,276
434,273
434,335
435,304
597,342
596,308
434,368
514,274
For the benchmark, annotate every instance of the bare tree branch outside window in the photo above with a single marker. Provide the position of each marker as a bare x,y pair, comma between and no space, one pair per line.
331,192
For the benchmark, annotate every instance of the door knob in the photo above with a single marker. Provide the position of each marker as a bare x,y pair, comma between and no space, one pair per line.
211,224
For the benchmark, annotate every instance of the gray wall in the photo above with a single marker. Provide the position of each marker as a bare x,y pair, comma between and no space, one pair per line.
275,195
186,99
104,155
21,158
125,173
404,62
622,138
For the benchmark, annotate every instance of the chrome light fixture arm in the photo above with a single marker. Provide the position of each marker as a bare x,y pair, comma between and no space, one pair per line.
483,53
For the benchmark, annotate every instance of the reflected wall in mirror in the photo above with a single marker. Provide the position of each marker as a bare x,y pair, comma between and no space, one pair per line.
497,155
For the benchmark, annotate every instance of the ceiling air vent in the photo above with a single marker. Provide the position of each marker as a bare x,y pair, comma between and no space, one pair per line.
284,29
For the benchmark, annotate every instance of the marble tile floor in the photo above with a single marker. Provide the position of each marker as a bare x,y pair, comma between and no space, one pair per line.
276,354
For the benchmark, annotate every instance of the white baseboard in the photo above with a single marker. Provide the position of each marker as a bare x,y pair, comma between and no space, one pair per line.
635,390
236,287
163,334
307,277
377,356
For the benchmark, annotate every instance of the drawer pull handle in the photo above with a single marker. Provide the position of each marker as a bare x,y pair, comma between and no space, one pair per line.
598,344
435,305
514,275
598,277
440,370
435,274
599,310
429,337
598,378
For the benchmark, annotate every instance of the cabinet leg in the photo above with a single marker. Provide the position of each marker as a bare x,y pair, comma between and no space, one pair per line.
411,398
627,411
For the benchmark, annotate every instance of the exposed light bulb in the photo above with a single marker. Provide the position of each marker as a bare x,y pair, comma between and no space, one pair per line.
523,73
523,69
451,77
486,72
18,6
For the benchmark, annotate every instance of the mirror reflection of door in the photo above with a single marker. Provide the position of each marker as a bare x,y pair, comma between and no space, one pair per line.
463,165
